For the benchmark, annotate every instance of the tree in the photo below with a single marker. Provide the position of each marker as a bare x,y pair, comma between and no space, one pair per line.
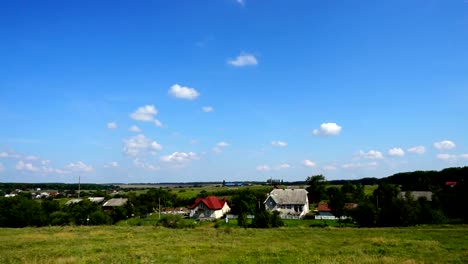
336,202
317,188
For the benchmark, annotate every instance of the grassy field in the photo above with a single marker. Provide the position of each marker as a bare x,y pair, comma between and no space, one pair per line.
205,244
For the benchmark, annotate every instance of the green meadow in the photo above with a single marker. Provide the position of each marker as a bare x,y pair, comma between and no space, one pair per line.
207,244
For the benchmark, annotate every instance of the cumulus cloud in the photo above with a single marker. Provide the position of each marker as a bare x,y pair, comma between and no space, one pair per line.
417,150
329,168
79,166
207,109
112,125
244,59
112,164
283,166
263,168
134,129
308,163
180,157
446,156
140,144
396,152
279,143
146,114
223,144
144,165
183,92
444,145
371,154
21,165
352,166
451,157
328,129
9,155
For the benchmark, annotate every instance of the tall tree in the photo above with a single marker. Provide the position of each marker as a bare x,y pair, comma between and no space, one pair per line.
317,188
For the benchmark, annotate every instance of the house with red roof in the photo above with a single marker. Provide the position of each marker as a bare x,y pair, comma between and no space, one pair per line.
210,207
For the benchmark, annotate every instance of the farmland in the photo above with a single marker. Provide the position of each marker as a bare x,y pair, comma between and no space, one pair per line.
206,244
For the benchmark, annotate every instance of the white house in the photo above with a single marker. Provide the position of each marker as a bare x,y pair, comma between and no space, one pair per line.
289,202
210,207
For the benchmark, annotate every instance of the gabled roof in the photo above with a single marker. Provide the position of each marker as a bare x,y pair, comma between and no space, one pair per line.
116,202
289,196
212,202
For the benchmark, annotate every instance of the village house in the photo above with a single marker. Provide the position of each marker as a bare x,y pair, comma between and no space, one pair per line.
417,194
210,207
323,211
114,202
291,203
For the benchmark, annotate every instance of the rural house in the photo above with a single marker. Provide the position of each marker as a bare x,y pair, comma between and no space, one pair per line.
323,211
210,207
416,195
291,203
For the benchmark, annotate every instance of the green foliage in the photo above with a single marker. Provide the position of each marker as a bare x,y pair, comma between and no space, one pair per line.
266,219
317,188
174,221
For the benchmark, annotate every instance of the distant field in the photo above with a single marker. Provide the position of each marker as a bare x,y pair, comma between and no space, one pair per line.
146,244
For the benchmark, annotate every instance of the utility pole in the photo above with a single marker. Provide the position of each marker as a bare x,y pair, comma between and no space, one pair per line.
159,201
79,185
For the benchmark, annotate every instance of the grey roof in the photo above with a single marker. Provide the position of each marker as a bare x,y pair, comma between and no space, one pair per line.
96,199
416,195
289,196
72,201
116,202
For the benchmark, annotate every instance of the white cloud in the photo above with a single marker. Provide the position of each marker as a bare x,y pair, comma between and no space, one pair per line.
31,157
216,150
112,164
372,154
223,144
450,157
446,156
329,168
9,155
146,114
21,165
140,145
79,166
417,150
180,157
444,145
112,125
396,152
283,166
279,143
328,129
352,166
263,168
207,109
183,92
143,165
244,59
134,129
309,163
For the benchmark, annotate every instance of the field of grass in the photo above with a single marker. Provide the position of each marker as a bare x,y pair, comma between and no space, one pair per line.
205,244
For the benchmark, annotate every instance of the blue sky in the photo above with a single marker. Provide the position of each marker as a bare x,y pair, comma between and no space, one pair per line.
179,91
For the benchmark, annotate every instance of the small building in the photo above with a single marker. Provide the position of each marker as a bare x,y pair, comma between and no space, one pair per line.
323,211
210,207
291,203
